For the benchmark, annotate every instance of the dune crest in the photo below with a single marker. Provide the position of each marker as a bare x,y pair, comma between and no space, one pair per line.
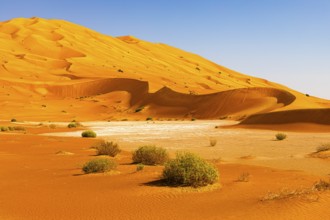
55,61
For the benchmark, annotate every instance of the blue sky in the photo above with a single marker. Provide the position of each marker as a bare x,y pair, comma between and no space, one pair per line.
286,41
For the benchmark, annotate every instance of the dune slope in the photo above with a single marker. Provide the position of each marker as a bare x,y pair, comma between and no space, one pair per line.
52,68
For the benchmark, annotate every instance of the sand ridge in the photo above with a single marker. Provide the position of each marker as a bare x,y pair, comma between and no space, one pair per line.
57,63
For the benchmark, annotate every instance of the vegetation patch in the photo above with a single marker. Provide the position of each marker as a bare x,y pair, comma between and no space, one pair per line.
150,155
213,142
99,165
319,186
88,134
188,169
280,136
107,148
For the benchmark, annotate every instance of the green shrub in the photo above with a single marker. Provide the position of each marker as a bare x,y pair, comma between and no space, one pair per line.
323,147
150,155
3,128
88,134
99,165
280,136
107,148
189,170
72,125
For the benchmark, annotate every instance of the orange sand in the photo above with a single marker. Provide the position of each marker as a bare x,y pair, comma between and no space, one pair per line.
39,184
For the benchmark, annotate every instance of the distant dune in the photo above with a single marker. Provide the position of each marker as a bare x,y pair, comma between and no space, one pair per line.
57,70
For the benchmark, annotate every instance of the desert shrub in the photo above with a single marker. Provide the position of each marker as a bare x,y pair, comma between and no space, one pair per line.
149,118
139,109
13,120
72,125
3,128
280,136
139,167
321,185
99,165
18,128
189,170
107,148
244,177
323,147
150,155
88,134
213,142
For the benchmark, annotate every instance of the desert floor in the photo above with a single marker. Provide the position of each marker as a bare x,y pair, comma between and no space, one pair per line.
37,183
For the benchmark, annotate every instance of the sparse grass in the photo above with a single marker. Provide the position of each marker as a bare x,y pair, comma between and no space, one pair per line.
99,165
150,155
107,148
244,177
213,142
280,136
88,134
319,186
188,169
323,147
139,167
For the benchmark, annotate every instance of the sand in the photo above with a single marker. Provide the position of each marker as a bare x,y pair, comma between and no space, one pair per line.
40,183
48,74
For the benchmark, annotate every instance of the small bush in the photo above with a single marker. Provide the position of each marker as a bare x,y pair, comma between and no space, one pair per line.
88,134
149,118
13,120
280,136
107,148
213,142
150,155
139,167
244,177
18,128
72,125
323,147
139,109
3,128
99,165
189,170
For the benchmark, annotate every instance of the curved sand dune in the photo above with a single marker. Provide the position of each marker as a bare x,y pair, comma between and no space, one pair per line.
316,116
54,62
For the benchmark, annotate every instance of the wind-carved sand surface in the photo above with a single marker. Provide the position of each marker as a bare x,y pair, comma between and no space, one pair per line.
54,70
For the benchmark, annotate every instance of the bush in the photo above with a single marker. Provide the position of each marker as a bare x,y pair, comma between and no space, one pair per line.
3,128
99,165
189,170
88,134
280,136
149,118
323,147
13,120
107,148
150,155
213,142
72,125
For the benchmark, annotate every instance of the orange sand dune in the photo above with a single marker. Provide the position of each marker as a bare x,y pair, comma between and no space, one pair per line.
64,66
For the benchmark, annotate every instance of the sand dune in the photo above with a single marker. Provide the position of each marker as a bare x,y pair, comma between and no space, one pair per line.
55,61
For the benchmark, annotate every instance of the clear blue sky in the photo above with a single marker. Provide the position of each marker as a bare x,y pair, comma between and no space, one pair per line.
286,41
